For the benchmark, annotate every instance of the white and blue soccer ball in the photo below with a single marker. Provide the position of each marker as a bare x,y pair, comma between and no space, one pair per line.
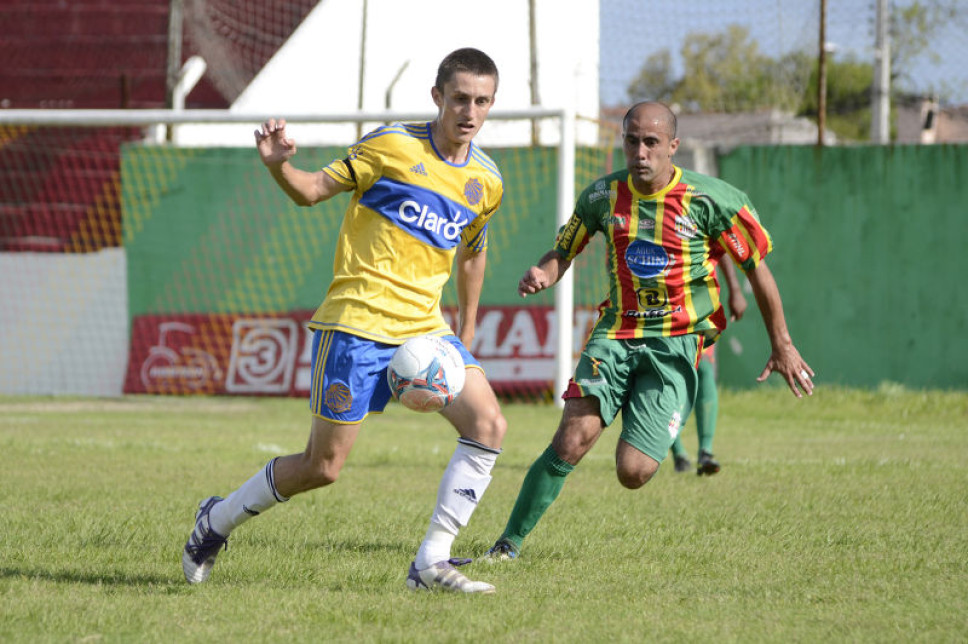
426,373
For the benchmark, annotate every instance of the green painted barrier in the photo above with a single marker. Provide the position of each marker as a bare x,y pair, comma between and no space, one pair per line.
869,256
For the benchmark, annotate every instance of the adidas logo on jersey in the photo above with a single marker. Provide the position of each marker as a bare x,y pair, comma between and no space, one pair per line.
418,169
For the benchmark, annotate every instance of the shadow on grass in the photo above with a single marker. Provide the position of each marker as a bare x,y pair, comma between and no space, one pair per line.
350,545
113,578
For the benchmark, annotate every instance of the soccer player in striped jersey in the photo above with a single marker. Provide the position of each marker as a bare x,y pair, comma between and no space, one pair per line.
666,229
422,194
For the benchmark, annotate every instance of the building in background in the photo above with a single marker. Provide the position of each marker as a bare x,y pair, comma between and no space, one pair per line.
923,120
350,56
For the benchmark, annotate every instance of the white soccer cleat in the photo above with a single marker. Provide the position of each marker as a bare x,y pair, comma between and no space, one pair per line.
444,576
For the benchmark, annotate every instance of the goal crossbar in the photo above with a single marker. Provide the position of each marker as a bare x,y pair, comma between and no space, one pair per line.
137,118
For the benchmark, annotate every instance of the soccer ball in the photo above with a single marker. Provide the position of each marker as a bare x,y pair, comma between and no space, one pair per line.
426,373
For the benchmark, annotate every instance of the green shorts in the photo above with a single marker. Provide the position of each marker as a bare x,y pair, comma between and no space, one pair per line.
652,381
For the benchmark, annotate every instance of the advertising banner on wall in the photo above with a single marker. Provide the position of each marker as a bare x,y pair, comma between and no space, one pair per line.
270,355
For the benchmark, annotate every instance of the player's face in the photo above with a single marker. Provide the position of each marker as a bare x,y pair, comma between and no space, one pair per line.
649,148
462,106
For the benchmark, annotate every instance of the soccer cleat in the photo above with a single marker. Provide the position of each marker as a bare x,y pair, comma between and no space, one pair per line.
707,465
682,464
444,576
503,550
203,545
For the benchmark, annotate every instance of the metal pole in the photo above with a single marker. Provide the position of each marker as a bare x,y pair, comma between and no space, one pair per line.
565,288
535,97
139,117
388,96
175,23
881,89
359,94
822,76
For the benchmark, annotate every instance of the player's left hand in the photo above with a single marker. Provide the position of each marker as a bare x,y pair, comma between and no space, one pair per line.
787,362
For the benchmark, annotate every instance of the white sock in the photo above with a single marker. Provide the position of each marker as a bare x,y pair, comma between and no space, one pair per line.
255,496
435,546
461,488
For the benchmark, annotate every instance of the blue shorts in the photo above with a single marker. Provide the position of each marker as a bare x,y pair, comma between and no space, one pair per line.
349,375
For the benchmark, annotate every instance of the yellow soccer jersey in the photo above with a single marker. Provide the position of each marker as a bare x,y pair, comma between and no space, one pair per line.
410,211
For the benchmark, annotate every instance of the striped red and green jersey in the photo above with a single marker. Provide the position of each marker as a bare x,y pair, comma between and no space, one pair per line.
662,251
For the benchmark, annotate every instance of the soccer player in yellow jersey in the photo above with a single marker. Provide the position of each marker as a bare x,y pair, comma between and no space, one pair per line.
422,194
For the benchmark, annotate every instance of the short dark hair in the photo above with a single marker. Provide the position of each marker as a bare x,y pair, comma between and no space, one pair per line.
670,116
468,59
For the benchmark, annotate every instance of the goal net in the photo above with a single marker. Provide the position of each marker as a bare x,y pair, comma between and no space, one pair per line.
135,267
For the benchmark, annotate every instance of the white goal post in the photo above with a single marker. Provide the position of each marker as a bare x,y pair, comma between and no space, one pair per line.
565,140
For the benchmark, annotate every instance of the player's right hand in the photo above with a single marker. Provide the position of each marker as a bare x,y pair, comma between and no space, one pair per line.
533,281
272,143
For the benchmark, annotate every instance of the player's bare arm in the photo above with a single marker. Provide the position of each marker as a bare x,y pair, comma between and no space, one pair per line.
470,281
784,357
544,275
276,149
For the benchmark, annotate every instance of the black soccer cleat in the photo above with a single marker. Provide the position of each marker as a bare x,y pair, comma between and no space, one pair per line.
682,464
707,465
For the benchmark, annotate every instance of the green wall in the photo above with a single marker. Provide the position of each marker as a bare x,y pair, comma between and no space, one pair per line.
208,231
870,245
869,255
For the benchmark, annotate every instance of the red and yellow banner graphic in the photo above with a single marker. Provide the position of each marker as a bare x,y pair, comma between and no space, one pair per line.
269,355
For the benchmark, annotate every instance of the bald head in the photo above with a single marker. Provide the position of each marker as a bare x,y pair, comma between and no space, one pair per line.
649,143
652,111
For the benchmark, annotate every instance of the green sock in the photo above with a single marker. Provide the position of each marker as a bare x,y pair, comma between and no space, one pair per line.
678,451
707,406
540,488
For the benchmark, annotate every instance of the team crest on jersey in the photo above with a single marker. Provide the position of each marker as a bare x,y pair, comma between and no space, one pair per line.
338,398
473,191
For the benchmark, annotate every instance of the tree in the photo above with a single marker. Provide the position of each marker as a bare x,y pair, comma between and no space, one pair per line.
848,98
912,30
723,72
655,81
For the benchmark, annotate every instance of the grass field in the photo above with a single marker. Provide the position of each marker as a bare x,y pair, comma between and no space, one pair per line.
842,518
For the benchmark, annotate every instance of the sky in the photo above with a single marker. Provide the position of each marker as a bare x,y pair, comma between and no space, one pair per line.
631,30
